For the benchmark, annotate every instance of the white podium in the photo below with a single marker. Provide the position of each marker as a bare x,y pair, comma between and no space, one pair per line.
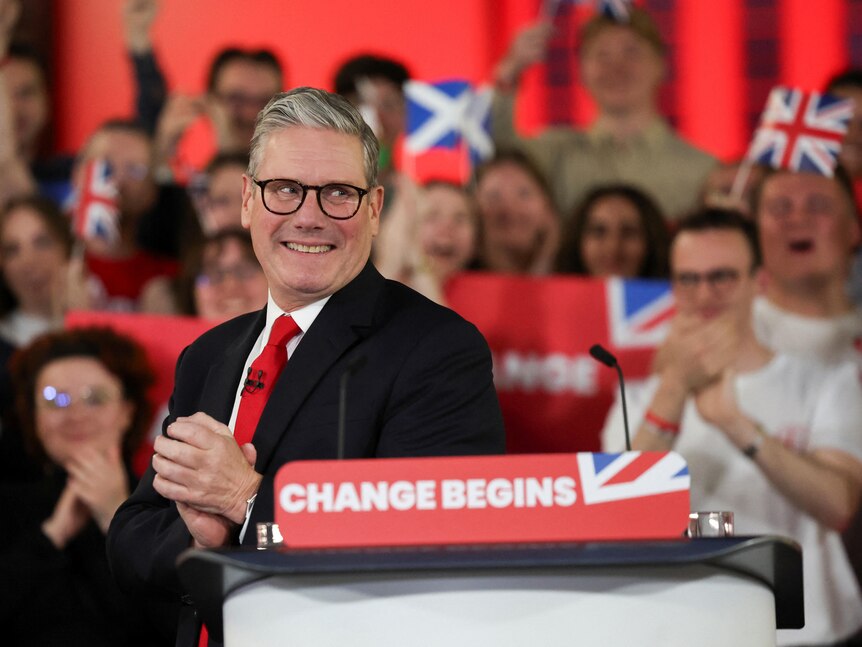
722,591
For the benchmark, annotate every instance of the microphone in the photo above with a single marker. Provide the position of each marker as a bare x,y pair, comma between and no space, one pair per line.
251,385
601,354
353,365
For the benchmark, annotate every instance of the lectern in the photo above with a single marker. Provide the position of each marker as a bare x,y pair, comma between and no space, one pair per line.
710,591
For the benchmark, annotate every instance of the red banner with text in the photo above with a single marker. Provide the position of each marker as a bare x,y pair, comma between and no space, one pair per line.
482,499
555,396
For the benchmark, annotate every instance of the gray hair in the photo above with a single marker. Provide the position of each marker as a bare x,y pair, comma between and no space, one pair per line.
314,108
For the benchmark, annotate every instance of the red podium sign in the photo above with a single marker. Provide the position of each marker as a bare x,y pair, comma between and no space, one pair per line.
487,499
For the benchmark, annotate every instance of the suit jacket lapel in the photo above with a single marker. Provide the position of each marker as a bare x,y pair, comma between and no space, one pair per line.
344,320
223,378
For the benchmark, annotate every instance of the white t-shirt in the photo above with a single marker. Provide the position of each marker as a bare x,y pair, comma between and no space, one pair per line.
807,405
832,339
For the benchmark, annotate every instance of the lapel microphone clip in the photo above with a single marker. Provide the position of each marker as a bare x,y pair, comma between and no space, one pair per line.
251,385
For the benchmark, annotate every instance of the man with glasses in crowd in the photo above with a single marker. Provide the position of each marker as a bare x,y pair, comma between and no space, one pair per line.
420,384
770,436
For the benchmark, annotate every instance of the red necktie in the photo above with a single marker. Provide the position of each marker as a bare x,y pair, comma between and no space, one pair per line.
261,378
258,385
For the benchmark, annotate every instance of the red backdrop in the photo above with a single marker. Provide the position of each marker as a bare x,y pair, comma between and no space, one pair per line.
725,54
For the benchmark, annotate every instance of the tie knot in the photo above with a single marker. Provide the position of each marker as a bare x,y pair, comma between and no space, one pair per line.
283,329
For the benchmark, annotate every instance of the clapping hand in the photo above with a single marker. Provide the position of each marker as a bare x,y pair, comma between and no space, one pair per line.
200,467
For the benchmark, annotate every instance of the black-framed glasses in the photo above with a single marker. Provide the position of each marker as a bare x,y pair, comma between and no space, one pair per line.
337,200
719,280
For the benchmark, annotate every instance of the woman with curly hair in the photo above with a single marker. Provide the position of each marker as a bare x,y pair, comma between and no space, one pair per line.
81,408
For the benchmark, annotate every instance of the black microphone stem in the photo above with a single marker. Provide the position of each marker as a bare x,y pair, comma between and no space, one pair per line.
600,354
625,409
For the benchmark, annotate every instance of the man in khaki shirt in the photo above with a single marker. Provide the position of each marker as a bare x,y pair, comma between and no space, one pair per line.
622,67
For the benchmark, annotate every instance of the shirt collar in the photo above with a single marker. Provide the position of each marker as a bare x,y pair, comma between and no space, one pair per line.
303,316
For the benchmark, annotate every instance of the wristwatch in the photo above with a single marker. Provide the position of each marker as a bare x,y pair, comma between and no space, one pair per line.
754,447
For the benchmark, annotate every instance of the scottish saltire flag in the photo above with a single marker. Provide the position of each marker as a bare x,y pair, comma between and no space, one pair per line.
96,214
476,128
448,114
801,131
639,312
630,475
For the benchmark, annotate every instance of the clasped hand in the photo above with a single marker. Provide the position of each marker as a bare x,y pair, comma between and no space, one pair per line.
200,467
698,351
698,357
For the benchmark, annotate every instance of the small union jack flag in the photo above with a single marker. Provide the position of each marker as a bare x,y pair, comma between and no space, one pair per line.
631,475
801,131
96,214
639,312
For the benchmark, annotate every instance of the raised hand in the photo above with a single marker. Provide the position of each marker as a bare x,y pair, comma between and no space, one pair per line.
226,138
138,19
528,47
98,478
179,113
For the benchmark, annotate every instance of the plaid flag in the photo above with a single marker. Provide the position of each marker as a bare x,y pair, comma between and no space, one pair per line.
801,131
95,214
448,114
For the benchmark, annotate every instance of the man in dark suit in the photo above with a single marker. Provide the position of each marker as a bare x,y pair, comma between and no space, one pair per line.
421,382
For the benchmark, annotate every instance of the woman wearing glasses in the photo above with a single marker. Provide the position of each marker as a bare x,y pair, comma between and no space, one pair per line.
81,405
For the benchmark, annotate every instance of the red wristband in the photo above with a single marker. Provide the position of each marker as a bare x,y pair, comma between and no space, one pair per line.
661,424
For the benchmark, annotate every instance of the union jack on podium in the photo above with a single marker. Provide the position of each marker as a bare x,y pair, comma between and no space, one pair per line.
801,131
96,214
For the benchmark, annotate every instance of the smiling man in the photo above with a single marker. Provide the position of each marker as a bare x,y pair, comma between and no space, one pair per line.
263,389
773,438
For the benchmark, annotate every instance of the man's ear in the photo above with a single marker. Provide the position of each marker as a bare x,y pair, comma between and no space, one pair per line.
248,186
375,203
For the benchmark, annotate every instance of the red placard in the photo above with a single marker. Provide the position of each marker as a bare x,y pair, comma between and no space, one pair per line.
482,499
553,395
